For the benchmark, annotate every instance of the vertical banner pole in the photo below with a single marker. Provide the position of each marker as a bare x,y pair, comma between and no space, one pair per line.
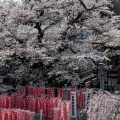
41,113
73,106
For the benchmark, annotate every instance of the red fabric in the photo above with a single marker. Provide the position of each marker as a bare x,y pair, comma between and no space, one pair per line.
46,107
8,115
9,98
51,92
67,112
14,115
81,94
30,116
3,114
0,115
56,114
38,105
60,92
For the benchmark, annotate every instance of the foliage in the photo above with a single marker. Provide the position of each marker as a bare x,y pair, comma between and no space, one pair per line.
41,39
104,106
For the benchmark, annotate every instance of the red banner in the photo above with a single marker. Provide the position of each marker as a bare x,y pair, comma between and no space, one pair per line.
56,114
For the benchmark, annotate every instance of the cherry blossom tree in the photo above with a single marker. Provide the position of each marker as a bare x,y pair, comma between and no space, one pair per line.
43,41
104,106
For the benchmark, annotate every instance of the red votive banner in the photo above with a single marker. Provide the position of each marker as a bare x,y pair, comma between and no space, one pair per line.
67,105
41,91
50,92
5,101
0,114
18,101
46,107
56,114
8,114
62,110
31,103
16,114
65,110
52,103
35,99
9,101
31,90
60,92
38,104
81,98
78,97
14,99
